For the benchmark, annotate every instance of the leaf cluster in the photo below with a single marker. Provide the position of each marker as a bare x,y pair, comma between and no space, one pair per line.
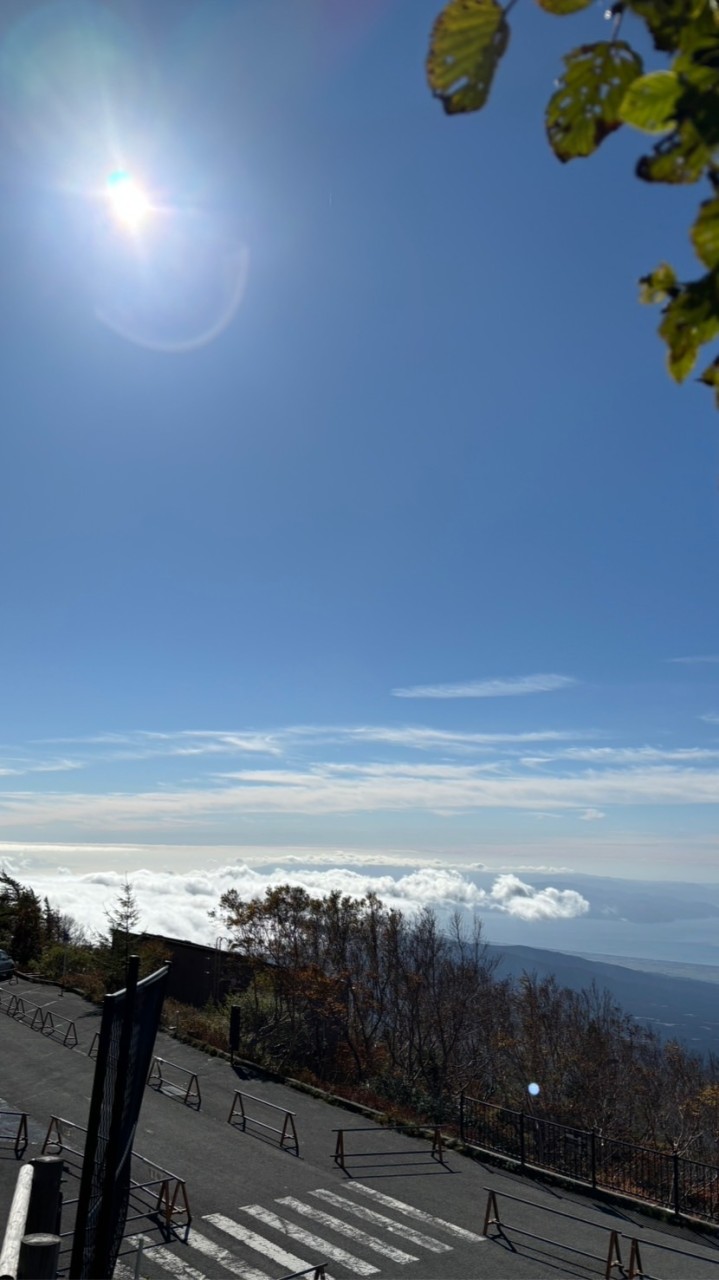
603,86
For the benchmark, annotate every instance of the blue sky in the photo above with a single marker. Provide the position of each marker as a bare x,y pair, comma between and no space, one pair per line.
346,504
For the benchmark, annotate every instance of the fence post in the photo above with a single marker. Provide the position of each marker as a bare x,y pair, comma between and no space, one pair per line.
593,1152
521,1140
39,1256
677,1196
461,1116
44,1210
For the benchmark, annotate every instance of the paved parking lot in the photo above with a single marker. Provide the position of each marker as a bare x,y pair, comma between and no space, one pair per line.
261,1212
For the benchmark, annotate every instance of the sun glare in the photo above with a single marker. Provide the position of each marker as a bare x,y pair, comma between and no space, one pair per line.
128,202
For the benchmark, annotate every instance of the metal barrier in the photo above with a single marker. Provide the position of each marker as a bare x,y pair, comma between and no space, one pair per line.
50,1028
170,1200
686,1187
19,1007
437,1152
288,1132
613,1258
42,1019
191,1094
19,1137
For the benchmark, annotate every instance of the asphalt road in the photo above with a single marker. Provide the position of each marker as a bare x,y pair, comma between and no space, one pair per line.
261,1212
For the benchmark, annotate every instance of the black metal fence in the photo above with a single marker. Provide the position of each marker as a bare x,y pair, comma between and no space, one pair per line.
659,1177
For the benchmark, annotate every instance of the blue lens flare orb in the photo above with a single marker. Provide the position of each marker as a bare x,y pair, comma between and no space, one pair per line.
533,1090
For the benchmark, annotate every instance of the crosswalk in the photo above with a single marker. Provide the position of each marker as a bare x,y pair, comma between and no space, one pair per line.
353,1231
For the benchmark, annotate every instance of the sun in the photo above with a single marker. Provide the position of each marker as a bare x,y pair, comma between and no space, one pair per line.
129,204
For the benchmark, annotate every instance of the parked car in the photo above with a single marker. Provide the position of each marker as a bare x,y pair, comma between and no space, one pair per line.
7,965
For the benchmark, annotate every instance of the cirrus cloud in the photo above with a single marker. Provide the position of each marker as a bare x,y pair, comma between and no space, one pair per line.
502,687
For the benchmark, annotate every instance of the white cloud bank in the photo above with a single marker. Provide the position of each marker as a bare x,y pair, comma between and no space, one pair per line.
504,687
178,905
515,897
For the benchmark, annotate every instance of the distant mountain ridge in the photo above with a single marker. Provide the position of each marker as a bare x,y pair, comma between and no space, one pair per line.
677,1007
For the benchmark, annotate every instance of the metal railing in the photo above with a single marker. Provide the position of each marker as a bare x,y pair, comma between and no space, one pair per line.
165,1193
686,1187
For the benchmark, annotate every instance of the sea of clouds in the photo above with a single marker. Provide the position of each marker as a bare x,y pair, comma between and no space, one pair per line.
178,904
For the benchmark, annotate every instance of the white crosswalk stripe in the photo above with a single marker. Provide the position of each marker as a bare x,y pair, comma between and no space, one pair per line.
260,1244
223,1257
461,1233
169,1261
322,1247
199,1255
347,1229
381,1220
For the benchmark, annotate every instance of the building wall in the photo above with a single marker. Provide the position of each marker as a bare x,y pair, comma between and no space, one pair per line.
199,974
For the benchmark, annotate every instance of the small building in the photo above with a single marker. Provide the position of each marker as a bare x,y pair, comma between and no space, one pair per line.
199,973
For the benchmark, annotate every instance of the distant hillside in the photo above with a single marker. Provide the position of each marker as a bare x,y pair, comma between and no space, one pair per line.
676,1007
672,968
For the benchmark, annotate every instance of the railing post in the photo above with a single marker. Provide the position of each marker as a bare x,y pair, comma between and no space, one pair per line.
521,1139
677,1196
461,1116
39,1256
593,1153
46,1196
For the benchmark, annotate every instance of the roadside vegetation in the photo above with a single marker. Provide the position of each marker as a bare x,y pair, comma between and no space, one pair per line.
400,1014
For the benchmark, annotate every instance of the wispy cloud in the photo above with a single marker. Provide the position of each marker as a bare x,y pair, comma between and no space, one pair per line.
592,815
425,739
624,755
696,658
328,789
22,768
145,744
502,687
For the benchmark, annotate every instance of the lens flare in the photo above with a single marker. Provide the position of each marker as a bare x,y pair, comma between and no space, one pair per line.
128,202
533,1089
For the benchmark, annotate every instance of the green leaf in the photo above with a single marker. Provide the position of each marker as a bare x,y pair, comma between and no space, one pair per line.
691,318
710,378
681,157
585,107
659,286
563,7
467,42
650,102
668,20
705,233
698,60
